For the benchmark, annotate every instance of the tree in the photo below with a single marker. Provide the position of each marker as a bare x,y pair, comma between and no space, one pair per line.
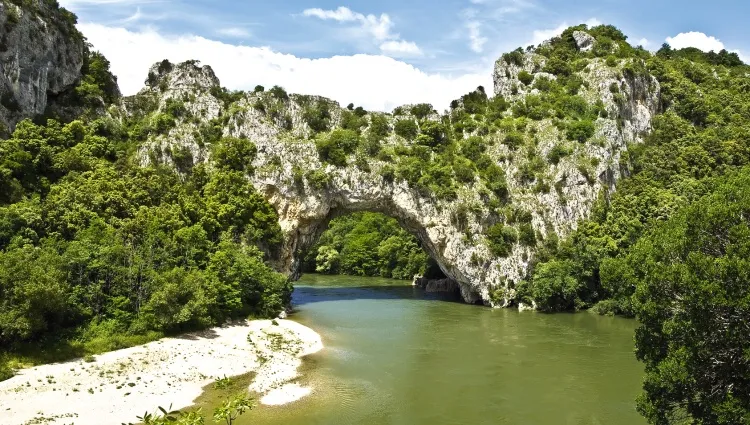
693,303
501,239
555,287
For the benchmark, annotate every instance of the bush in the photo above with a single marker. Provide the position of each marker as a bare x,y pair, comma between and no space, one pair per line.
234,154
318,179
513,140
279,93
501,239
525,78
581,130
526,234
422,110
514,58
557,153
335,147
555,287
317,116
407,129
495,180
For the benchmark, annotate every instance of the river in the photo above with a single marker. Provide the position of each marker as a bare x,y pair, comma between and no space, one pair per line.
396,355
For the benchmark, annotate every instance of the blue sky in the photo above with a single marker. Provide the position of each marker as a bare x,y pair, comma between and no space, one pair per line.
377,54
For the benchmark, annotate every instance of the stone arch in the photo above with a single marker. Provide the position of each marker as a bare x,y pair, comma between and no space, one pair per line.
307,191
303,223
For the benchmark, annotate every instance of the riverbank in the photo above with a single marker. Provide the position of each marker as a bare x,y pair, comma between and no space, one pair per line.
121,384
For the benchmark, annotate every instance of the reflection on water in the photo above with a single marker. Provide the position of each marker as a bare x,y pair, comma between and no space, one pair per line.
396,355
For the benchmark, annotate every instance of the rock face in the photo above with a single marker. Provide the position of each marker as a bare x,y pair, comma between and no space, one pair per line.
584,40
307,193
41,54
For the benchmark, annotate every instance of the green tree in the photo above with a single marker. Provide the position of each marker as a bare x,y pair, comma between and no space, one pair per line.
692,302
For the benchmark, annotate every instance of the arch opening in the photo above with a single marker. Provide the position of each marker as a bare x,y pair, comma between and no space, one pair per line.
371,243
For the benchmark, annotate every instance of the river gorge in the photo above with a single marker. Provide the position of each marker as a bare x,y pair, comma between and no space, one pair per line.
397,355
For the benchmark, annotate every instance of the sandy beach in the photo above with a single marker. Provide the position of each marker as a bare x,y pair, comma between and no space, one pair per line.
120,385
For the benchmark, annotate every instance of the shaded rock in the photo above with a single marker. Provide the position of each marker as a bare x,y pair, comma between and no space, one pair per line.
41,54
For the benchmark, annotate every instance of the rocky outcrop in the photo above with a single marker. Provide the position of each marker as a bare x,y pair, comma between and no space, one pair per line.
307,193
584,40
41,54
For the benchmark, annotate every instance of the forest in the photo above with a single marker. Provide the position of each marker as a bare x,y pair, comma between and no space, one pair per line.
99,251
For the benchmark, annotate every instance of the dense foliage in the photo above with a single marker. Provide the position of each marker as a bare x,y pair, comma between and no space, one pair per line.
692,276
98,250
703,133
367,244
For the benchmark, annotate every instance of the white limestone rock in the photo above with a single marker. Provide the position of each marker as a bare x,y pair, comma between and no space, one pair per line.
451,231
584,40
41,54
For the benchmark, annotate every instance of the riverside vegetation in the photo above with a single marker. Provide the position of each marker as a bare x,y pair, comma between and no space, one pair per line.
100,249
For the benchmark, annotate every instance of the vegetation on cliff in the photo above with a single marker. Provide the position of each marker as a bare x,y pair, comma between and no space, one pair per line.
98,252
100,248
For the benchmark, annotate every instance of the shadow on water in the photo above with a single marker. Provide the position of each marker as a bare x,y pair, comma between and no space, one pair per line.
304,294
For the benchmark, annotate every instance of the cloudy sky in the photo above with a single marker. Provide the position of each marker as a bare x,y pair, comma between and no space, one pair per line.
378,54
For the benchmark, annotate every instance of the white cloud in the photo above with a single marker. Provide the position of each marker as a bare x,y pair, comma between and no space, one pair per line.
701,41
401,47
543,35
135,17
374,81
378,27
644,43
476,40
235,32
341,14
695,39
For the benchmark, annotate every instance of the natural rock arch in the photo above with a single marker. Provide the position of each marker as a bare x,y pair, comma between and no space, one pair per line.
307,192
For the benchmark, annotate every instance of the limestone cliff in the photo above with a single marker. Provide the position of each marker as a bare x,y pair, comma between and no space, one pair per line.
307,192
183,110
41,54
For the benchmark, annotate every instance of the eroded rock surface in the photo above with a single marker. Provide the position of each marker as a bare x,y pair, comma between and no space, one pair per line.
41,55
307,192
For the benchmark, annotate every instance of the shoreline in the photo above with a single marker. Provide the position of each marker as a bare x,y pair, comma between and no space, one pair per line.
122,384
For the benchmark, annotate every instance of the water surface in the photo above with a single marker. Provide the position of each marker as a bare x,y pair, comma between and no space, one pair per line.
395,355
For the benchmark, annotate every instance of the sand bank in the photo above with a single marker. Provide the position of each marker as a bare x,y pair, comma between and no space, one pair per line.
122,384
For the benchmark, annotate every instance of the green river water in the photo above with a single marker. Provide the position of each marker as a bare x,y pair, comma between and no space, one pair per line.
395,355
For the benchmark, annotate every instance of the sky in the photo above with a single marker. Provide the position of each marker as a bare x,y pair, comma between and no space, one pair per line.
378,54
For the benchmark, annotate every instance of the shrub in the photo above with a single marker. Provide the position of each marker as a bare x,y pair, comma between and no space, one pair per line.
555,287
580,130
422,110
557,153
526,234
335,147
495,180
259,89
525,78
317,117
279,93
513,140
514,58
501,239
234,154
318,179
407,129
